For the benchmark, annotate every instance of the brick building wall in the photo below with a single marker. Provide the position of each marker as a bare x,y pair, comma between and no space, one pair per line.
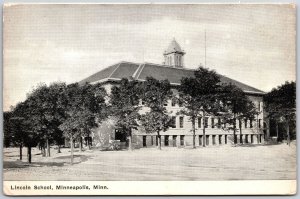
181,135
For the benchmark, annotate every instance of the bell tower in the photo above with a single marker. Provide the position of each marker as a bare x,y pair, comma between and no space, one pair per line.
174,55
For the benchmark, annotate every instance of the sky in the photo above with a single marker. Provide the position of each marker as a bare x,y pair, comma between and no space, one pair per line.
254,44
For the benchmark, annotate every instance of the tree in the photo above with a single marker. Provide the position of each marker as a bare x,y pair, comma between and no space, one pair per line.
84,107
199,96
188,98
23,128
46,113
125,100
155,94
18,133
13,131
236,106
38,117
281,105
7,128
58,139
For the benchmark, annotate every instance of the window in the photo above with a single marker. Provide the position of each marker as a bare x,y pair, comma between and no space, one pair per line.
182,140
251,125
152,142
173,102
260,138
220,139
206,122
199,122
142,102
173,122
219,122
213,139
144,141
174,140
245,123
259,123
207,140
200,140
212,122
225,139
166,104
181,122
166,140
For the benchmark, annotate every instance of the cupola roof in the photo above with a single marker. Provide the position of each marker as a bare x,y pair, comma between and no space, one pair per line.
174,47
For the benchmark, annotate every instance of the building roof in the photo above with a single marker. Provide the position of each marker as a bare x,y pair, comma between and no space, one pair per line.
173,47
160,72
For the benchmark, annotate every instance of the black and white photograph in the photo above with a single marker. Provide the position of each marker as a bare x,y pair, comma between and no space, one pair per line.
149,99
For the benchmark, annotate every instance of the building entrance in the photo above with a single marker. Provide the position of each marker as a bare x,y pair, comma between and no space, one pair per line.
119,135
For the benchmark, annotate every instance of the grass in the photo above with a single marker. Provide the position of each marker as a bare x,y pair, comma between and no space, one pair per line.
272,162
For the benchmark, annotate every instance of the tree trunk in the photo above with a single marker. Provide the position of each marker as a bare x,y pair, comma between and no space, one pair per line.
194,133
48,147
240,127
21,151
72,149
29,154
203,121
234,129
277,131
159,140
288,133
80,143
43,151
58,149
130,140
88,142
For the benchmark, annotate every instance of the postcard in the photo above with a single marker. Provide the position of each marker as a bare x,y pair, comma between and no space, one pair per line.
149,99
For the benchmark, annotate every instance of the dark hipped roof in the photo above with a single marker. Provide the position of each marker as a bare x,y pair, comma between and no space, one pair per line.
160,72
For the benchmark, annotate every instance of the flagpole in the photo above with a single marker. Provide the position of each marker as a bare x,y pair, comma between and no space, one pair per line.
205,48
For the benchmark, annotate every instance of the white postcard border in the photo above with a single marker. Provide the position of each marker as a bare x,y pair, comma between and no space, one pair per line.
235,187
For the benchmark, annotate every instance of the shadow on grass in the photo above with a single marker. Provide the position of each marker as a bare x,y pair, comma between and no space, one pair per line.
246,145
256,145
77,158
19,164
14,164
62,160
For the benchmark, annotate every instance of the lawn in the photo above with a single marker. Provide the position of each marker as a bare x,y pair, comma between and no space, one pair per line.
272,162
